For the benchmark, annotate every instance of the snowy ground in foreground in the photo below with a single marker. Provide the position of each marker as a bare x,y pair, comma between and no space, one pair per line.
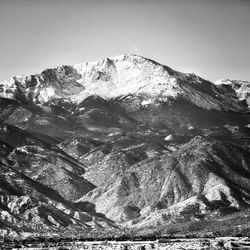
196,243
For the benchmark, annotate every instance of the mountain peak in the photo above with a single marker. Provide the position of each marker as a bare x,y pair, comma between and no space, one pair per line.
123,75
123,139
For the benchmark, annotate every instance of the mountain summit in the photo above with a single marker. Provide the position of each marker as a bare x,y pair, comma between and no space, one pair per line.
116,77
123,146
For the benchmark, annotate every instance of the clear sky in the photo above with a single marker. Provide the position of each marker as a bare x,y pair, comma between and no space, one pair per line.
208,37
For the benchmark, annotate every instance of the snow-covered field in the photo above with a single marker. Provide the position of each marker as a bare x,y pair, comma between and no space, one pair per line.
173,244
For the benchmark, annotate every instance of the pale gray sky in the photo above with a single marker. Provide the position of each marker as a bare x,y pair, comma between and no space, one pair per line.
207,37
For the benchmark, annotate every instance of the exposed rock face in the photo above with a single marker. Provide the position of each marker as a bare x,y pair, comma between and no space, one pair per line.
240,87
124,141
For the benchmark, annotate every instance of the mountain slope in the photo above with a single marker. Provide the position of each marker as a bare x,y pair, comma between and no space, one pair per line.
122,145
201,174
240,87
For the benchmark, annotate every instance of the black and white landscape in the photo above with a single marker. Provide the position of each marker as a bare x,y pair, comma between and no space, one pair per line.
124,147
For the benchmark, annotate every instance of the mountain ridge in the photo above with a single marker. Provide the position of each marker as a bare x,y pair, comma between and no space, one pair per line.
116,77
120,145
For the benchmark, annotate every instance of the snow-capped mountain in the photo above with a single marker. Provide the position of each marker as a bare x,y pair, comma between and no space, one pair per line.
118,77
123,146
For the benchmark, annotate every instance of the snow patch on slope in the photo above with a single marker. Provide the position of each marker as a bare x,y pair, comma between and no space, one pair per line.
125,74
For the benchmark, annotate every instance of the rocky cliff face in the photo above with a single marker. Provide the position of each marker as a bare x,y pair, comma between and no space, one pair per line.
241,88
121,144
